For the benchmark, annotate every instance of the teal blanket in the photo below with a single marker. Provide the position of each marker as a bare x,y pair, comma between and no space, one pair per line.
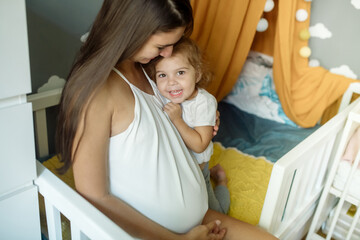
257,136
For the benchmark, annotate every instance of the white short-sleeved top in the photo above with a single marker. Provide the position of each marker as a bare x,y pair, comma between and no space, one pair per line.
197,112
151,169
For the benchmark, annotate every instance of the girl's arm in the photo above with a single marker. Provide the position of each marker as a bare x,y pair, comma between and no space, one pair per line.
91,178
196,139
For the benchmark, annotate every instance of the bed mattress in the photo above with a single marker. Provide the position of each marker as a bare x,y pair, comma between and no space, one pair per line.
257,136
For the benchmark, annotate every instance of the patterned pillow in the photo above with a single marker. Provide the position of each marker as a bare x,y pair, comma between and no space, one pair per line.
254,91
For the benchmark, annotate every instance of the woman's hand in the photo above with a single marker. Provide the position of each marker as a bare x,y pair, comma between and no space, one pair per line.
217,123
210,231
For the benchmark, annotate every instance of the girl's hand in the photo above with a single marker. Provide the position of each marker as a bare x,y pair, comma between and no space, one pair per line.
173,110
217,123
210,231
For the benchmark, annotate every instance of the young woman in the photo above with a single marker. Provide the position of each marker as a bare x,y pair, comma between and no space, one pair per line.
128,159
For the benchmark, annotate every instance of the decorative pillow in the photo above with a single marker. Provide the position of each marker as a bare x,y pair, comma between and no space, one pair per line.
254,91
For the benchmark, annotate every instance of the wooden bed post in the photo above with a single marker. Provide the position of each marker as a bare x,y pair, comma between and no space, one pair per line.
39,108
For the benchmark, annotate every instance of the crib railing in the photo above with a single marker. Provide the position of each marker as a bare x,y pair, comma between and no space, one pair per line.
343,196
298,178
86,222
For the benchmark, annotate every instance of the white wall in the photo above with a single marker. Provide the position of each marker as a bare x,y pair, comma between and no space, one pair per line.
55,27
73,16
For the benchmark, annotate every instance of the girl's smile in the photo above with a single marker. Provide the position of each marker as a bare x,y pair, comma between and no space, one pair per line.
176,78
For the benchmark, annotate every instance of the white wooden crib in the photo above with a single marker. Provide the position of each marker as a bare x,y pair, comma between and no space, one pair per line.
338,211
295,185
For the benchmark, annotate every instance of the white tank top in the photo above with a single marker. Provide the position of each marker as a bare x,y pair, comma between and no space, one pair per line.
151,169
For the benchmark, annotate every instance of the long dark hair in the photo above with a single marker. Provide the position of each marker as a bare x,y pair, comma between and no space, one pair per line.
119,30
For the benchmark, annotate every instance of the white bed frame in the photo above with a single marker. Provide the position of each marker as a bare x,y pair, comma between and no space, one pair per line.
296,182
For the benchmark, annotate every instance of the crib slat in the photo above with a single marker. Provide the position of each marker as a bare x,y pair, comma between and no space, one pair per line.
353,224
324,160
315,236
76,234
53,220
41,133
41,101
76,209
344,194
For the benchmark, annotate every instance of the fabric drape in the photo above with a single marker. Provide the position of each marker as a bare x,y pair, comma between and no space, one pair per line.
224,30
305,92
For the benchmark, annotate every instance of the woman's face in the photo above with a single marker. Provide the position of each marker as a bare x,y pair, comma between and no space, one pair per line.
160,43
176,78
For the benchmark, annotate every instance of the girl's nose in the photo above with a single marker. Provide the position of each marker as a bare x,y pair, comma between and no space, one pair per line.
166,52
171,81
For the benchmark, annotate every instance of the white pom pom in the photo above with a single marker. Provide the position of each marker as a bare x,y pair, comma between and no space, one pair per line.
262,25
301,15
84,37
314,63
269,5
305,52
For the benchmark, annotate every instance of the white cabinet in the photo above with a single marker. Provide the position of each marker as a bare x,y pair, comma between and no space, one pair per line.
14,57
17,148
17,215
19,206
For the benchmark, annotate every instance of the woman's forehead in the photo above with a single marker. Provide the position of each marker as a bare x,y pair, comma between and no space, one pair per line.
167,38
178,59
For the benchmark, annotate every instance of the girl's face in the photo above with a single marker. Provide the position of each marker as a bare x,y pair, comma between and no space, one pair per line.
160,43
176,78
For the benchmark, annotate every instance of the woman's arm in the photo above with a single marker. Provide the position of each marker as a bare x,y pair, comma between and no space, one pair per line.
91,177
196,139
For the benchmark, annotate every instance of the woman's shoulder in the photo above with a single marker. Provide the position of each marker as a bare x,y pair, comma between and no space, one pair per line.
115,91
103,99
100,103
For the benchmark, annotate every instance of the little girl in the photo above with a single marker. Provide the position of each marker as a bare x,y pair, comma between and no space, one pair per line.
192,110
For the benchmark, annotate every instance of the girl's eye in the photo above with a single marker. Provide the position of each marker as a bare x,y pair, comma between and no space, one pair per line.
161,75
161,48
181,72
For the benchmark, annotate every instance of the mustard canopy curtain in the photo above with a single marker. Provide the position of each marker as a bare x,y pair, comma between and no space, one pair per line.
224,30
304,92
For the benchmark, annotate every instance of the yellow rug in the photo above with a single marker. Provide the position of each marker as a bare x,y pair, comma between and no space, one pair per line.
248,179
53,164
